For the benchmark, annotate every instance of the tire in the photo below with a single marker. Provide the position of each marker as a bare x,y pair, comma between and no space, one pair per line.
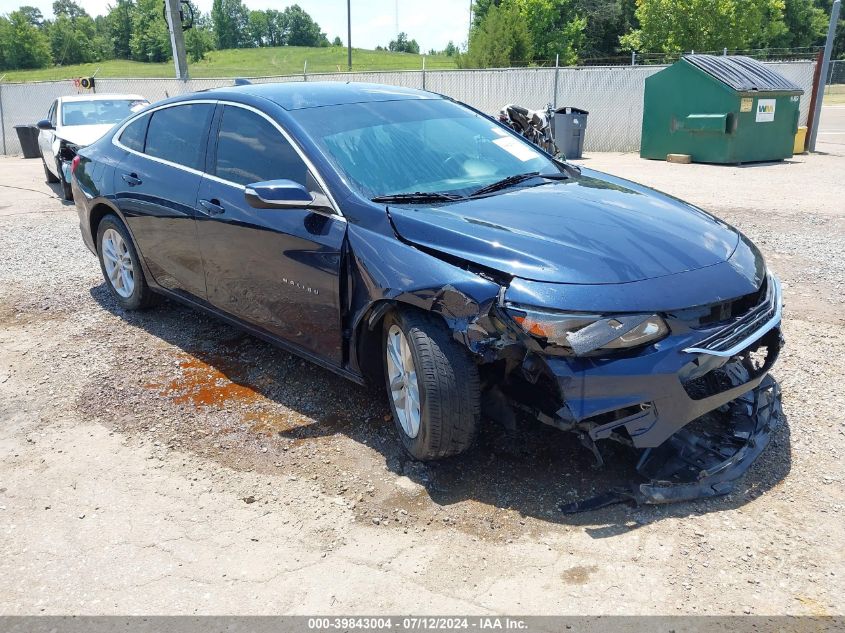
448,387
119,248
47,173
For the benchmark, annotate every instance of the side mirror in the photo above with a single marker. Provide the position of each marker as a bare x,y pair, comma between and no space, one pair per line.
44,124
278,194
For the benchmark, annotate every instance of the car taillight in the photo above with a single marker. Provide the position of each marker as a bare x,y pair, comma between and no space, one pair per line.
74,163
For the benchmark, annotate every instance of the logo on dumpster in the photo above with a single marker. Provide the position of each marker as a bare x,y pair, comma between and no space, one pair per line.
765,110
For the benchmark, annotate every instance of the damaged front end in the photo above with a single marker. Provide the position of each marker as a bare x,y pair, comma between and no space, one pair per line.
687,388
703,459
698,401
66,153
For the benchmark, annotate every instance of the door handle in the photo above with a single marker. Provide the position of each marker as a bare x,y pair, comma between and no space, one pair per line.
131,179
212,207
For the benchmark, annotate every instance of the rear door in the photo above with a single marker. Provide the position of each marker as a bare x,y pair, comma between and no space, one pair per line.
277,269
156,187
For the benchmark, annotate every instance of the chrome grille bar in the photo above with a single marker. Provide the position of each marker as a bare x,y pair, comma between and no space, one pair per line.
748,328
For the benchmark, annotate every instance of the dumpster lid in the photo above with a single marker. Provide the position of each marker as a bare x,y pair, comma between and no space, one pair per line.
570,110
743,74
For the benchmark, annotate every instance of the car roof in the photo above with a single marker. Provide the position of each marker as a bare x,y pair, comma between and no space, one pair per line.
102,97
297,95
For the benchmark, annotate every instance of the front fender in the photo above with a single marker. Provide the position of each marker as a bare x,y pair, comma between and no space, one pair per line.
384,271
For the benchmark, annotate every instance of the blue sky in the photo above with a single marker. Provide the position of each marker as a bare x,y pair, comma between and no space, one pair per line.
432,23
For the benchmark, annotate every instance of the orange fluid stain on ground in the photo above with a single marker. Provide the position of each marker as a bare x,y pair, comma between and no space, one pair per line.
205,385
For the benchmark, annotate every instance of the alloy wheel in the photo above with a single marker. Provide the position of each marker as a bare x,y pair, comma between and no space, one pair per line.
402,376
118,263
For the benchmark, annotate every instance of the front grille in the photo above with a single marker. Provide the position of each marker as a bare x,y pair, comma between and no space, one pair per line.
750,363
745,329
723,311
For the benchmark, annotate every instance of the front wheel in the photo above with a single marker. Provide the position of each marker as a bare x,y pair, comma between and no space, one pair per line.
121,266
47,173
432,385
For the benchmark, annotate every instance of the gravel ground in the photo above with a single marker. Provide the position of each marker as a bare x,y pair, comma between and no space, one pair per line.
167,452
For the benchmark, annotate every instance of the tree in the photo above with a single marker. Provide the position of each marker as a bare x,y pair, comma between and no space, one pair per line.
554,26
72,41
5,40
806,25
73,35
258,28
69,9
277,26
119,25
231,20
451,50
302,30
337,41
403,45
500,39
706,25
24,45
200,39
607,21
33,15
150,40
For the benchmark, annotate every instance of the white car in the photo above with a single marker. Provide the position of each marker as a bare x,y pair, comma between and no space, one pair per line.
77,121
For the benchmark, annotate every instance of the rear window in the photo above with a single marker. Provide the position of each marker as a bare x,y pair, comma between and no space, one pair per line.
250,149
134,134
178,133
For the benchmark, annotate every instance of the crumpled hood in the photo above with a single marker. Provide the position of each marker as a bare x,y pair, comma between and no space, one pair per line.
595,229
82,135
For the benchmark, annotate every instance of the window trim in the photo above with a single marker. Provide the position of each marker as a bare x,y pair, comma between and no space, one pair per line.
149,111
204,142
146,129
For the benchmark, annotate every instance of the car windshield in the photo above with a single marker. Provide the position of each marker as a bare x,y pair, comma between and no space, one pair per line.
100,111
419,145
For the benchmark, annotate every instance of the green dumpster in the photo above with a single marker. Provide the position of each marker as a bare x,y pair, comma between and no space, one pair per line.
719,109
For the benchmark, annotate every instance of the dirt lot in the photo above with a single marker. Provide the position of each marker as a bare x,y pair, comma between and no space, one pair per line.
165,463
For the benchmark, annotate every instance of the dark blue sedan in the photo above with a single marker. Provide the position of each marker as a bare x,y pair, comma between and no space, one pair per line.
400,238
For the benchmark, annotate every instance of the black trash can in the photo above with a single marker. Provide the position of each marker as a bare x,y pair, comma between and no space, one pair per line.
28,136
569,127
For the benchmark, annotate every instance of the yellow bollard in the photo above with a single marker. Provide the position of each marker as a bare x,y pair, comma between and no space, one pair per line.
800,140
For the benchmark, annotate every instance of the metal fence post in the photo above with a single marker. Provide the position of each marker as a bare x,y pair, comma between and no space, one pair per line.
423,73
557,72
633,58
819,88
305,71
2,119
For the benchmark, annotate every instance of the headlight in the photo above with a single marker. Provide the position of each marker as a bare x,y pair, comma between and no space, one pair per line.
582,334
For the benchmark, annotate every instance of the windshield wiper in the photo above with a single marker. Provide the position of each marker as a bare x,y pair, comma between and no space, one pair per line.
418,196
504,183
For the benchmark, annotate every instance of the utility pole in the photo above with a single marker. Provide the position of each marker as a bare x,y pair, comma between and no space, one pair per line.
819,96
349,34
177,38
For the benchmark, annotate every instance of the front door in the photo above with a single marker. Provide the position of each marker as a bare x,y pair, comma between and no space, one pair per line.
277,269
46,137
156,187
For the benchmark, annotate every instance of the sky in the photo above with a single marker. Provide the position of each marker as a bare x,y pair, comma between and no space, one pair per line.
432,23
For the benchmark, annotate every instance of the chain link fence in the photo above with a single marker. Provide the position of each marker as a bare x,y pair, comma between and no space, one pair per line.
613,95
836,73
